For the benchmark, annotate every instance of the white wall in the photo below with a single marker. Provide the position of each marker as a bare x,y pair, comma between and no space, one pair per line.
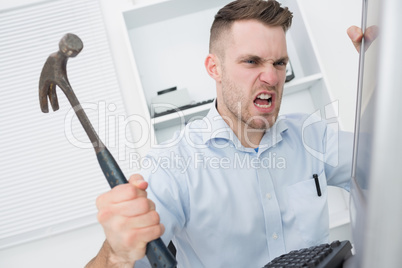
67,250
328,22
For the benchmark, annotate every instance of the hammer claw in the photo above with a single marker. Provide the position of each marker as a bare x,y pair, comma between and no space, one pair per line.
53,97
43,91
48,91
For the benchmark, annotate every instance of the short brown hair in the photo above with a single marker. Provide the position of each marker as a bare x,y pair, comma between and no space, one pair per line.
267,12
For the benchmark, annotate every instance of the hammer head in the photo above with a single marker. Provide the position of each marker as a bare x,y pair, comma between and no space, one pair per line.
70,45
54,71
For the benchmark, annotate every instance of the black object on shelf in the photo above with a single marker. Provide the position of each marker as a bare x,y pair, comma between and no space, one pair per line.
167,90
289,72
185,107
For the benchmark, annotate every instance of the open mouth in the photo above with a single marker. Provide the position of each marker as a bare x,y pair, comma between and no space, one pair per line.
263,101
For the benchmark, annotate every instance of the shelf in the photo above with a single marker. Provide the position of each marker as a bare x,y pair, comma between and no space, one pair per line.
165,10
175,33
180,117
303,83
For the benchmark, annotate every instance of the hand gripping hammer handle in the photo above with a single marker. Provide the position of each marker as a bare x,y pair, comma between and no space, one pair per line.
156,251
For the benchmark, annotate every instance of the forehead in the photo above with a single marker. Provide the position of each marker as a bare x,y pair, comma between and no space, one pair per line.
253,37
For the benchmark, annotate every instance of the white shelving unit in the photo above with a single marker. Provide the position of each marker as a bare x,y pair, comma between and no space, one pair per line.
169,41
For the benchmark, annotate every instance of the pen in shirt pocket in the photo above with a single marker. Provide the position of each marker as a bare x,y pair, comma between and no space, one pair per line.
317,184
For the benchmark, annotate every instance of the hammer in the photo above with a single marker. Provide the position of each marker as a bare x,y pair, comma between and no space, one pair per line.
54,73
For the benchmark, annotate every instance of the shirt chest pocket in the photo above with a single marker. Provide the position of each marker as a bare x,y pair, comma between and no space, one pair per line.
310,209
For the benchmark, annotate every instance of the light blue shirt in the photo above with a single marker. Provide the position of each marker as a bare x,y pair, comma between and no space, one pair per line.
224,205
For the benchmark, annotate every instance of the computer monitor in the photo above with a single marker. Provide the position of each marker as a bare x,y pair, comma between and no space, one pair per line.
376,191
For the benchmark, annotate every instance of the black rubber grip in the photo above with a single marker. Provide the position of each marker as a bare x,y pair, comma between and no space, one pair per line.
159,255
157,252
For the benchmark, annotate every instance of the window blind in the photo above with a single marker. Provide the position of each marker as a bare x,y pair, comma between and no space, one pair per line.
49,175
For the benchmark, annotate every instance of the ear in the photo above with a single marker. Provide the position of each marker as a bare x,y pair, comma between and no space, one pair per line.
213,66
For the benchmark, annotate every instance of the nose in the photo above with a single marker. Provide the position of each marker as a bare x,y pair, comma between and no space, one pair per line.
270,75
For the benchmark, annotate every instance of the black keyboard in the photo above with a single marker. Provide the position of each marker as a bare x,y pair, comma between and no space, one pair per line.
181,108
322,256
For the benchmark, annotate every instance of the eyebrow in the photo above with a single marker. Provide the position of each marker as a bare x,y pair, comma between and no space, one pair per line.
283,59
259,59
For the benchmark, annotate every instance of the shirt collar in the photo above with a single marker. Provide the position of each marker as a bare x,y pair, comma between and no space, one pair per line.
221,130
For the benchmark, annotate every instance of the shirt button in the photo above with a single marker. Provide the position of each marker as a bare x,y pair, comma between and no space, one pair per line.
269,196
275,236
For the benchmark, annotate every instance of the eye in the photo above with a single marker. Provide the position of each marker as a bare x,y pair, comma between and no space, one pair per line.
250,61
281,64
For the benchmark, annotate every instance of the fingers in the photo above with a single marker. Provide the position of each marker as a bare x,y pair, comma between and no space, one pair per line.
125,200
124,192
117,224
355,34
131,208
138,240
370,35
146,235
138,181
128,216
142,221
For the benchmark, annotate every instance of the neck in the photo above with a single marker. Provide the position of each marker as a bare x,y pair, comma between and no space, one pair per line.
249,137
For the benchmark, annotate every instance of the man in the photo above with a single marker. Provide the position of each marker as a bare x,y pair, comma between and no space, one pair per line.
237,189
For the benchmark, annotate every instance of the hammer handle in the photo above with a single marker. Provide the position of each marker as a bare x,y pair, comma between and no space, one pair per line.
157,252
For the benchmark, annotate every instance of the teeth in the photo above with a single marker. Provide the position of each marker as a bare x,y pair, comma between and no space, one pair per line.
263,106
264,96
